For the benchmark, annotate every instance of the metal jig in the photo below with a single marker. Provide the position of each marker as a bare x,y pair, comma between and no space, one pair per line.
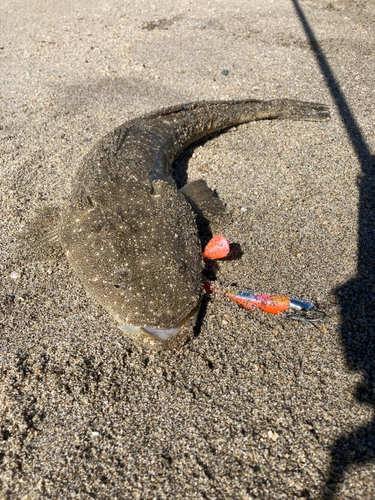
276,304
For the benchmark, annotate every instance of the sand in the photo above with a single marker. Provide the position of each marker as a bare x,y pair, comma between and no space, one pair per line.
253,406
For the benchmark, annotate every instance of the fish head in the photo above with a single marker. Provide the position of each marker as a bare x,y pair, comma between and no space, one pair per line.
137,252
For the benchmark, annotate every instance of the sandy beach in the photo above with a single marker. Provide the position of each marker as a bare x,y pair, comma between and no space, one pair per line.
253,406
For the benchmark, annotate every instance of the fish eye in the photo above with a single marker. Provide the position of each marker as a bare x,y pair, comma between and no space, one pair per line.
182,265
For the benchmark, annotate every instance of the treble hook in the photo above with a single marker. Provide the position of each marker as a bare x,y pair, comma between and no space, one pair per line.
304,307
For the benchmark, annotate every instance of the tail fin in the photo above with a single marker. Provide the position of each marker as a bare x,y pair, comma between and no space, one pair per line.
291,109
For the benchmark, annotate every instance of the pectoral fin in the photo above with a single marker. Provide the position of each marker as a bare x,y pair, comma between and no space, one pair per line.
39,235
202,199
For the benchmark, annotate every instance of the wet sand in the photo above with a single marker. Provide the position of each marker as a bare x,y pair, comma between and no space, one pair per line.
253,406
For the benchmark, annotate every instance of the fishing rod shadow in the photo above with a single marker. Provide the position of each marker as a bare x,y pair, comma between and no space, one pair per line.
357,296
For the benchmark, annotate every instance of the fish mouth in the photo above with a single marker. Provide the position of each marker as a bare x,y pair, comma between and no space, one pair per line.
158,334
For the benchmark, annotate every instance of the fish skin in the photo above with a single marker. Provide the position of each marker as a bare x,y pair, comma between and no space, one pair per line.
128,232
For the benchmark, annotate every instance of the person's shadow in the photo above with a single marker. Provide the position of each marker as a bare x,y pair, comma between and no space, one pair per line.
357,296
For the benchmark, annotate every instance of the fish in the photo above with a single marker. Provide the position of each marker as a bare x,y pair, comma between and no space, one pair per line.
131,236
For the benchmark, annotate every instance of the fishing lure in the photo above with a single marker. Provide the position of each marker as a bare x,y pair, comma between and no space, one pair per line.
217,248
283,305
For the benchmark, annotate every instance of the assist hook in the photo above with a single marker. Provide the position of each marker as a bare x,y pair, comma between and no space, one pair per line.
308,313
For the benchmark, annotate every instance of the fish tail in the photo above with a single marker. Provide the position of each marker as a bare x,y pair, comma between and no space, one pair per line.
278,109
291,109
215,116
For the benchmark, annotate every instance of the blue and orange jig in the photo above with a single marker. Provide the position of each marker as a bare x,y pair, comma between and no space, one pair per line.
282,305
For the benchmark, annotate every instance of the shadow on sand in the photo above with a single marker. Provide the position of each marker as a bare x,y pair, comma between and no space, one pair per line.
356,297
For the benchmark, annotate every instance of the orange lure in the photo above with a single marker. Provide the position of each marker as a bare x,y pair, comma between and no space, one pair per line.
267,302
274,304
216,248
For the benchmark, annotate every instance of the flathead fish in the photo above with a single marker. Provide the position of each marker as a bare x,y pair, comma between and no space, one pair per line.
131,235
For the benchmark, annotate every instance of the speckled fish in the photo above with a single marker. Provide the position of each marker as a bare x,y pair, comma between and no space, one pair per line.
131,235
